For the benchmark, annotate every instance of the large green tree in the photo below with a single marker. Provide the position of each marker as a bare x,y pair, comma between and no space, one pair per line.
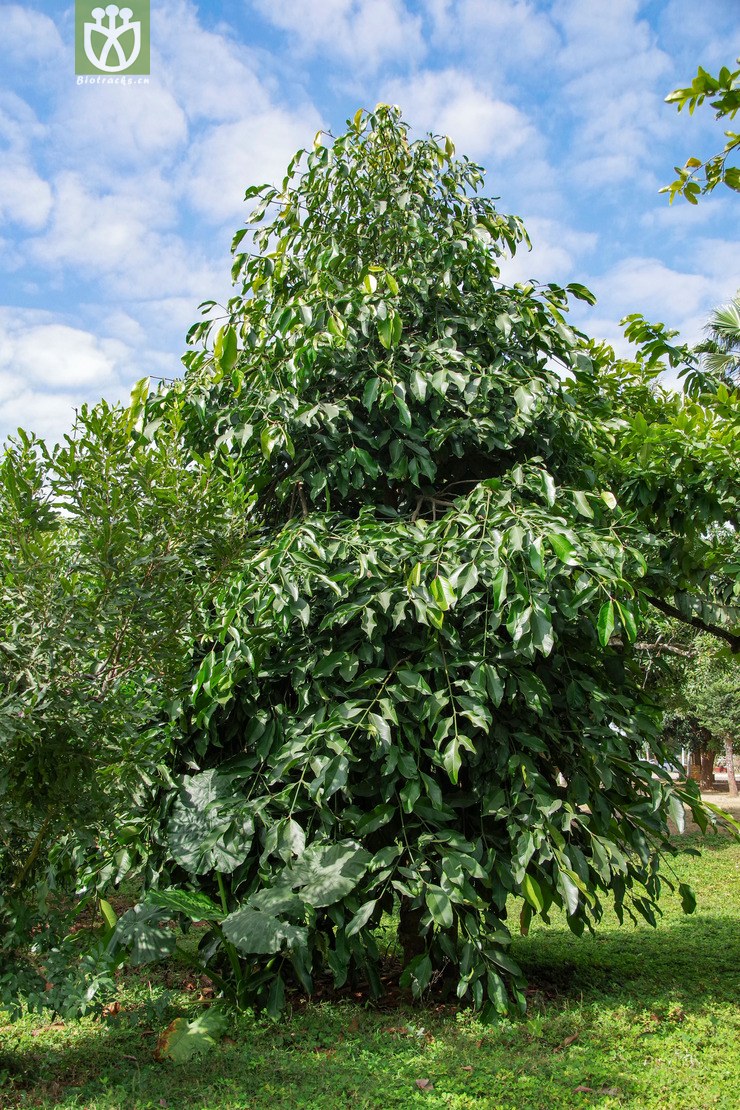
419,688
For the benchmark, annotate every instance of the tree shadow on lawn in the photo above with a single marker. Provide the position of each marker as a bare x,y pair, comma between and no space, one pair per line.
686,965
329,1056
691,960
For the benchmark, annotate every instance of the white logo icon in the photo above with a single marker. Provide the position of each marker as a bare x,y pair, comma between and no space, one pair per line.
111,32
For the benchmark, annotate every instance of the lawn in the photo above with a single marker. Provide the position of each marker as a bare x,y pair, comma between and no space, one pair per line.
632,1017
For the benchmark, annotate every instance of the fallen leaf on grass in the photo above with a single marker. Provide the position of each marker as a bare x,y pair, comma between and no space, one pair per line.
584,1090
466,1067
183,1039
425,1084
568,1040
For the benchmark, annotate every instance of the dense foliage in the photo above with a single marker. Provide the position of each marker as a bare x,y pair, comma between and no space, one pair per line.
418,690
416,519
108,546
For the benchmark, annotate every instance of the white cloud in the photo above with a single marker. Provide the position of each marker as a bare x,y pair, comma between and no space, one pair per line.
614,73
168,317
699,31
19,125
29,36
509,32
449,102
49,415
602,34
212,75
647,285
232,156
683,218
122,325
25,198
557,253
49,367
54,355
103,230
365,33
720,259
108,126
123,236
682,299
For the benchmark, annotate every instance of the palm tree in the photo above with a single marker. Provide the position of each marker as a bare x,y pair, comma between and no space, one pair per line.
721,350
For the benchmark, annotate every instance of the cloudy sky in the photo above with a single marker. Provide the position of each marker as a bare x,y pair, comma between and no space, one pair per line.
118,203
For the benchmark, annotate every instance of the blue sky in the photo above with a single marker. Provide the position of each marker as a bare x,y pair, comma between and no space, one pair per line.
118,204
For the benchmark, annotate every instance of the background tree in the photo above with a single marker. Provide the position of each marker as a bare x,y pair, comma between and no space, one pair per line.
672,458
669,650
108,545
713,694
721,350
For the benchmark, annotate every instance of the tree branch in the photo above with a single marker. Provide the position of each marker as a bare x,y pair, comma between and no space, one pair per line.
696,622
659,649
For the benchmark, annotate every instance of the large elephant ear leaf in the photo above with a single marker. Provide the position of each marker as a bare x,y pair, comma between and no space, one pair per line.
141,931
193,904
208,829
327,873
259,933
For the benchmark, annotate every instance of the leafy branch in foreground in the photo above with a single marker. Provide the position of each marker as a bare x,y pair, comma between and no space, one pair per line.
698,178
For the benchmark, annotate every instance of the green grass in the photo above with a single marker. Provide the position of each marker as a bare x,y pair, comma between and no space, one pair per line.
644,1018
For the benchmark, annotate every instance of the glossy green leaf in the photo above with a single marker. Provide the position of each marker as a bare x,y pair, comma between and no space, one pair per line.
605,623
361,918
439,906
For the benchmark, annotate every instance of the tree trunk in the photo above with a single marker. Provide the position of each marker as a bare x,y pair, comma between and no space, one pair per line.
409,932
707,770
695,762
730,761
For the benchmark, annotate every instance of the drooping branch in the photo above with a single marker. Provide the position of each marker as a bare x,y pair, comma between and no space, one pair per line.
716,630
669,649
